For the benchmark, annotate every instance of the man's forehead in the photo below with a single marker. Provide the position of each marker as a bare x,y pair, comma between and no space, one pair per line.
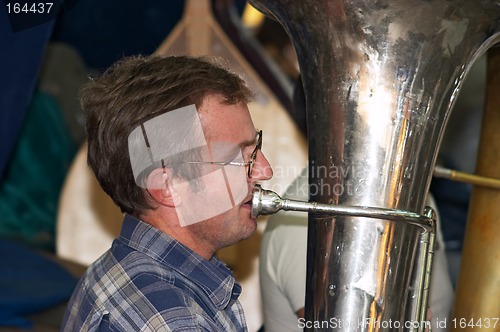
240,136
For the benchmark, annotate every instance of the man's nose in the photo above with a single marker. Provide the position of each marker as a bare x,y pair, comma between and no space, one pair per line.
262,169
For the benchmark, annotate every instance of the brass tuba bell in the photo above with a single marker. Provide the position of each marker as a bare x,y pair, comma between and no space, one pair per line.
380,78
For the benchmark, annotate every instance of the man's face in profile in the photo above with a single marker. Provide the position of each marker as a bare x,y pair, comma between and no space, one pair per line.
232,126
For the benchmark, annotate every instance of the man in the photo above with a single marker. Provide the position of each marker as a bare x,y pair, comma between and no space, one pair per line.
171,141
283,268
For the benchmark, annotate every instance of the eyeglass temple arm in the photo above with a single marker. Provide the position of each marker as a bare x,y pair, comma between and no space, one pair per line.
233,163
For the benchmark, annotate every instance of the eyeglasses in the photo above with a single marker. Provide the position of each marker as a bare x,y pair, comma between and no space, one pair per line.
250,163
253,155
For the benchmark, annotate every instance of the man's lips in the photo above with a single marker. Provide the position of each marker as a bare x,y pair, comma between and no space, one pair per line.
247,203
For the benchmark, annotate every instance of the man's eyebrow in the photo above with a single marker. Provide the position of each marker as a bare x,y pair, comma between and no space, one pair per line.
250,142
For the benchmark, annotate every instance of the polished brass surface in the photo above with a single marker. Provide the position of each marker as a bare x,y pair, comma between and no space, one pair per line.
380,79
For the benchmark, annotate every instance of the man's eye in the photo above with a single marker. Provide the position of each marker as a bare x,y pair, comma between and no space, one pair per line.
246,151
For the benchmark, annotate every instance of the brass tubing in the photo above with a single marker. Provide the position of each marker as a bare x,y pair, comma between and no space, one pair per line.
478,180
479,280
427,280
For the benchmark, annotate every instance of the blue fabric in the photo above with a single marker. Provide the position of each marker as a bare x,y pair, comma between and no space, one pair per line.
452,199
149,281
104,31
21,55
29,283
29,194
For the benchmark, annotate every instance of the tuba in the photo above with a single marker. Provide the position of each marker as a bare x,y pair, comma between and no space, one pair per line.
380,78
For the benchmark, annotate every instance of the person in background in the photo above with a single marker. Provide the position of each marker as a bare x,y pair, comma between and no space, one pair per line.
171,141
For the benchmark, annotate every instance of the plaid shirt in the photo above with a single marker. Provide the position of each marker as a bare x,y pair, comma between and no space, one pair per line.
148,281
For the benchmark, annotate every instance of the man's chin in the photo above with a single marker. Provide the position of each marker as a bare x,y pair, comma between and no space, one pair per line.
252,226
247,225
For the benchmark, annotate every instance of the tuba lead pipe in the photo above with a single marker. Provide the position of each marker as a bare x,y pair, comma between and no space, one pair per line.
380,78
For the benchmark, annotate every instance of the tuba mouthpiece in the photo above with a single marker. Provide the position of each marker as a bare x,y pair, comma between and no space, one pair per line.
265,202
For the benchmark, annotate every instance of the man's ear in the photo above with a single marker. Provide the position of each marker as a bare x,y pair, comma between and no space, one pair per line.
159,185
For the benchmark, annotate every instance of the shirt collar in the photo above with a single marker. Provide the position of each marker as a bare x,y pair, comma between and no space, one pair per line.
212,276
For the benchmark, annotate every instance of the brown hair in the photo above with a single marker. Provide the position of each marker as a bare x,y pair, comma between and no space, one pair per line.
134,90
